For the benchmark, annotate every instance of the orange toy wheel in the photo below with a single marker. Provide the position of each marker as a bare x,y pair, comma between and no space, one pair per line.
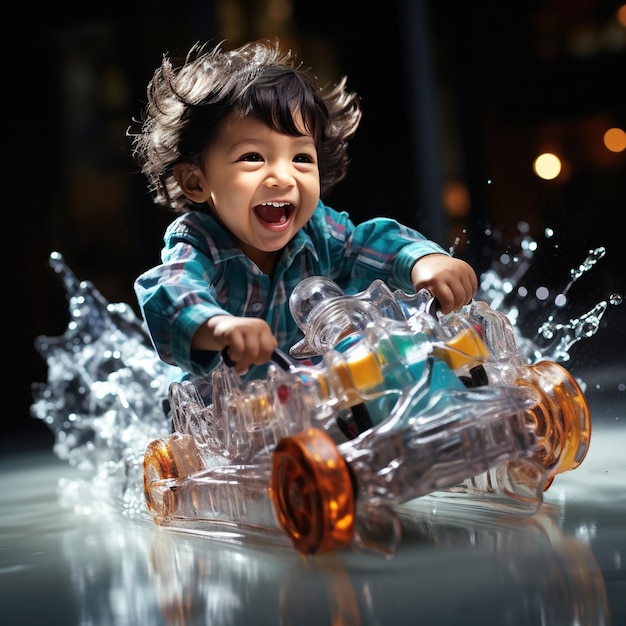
312,491
166,460
561,419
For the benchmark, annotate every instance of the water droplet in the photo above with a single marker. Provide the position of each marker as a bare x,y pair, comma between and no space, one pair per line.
529,244
548,232
547,331
542,293
560,300
592,258
615,299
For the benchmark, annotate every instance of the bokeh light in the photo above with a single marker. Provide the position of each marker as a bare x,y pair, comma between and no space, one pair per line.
547,166
456,198
615,140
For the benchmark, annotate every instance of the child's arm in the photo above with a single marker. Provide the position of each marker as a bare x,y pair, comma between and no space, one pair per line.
249,340
452,281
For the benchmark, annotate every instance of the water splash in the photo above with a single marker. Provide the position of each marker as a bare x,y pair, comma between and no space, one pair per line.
554,339
562,336
105,388
103,397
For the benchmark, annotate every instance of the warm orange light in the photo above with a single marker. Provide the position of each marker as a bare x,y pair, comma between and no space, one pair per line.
615,140
621,15
456,198
547,166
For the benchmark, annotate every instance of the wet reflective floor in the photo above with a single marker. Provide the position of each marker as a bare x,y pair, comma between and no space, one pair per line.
62,563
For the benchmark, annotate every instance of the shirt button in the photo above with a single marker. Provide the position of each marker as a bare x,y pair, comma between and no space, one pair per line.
255,307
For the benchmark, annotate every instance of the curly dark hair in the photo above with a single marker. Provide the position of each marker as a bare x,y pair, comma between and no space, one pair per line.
186,102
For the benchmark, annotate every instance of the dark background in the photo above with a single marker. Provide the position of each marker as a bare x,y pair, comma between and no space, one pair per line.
455,95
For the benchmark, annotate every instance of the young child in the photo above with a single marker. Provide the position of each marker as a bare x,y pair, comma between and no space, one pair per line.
244,145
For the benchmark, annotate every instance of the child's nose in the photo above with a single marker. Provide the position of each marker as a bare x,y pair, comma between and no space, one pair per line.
280,173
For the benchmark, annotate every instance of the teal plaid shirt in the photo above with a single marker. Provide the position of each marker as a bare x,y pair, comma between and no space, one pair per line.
203,273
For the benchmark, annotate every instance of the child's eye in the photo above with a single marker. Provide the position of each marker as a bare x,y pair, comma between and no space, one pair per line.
303,158
251,156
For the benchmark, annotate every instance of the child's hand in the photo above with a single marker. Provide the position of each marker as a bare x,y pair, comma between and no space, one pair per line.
452,281
249,340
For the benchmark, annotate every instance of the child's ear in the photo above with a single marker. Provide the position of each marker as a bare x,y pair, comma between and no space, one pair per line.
191,181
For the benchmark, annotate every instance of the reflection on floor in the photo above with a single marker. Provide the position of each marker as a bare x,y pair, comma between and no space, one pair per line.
84,565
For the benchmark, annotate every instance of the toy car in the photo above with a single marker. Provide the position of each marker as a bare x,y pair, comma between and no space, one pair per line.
399,402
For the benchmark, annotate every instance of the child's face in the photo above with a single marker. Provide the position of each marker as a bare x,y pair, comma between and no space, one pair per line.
263,185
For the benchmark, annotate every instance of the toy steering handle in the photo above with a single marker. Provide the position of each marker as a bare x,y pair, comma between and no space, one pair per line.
284,361
433,307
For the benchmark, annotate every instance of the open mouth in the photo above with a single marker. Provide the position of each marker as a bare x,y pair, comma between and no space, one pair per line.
274,212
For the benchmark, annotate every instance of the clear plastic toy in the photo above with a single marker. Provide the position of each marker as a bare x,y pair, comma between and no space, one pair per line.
402,402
